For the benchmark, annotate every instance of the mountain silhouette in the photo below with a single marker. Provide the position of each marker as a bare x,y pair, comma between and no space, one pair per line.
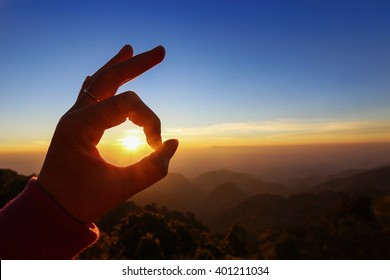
174,192
346,217
263,211
207,194
372,182
226,193
221,198
307,183
11,184
247,183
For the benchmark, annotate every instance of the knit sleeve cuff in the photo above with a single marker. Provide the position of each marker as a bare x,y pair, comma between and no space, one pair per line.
34,226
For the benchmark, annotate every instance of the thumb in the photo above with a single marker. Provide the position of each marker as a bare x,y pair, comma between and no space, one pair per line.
149,170
161,157
169,147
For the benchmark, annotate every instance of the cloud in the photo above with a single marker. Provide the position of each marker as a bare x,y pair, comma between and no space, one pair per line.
287,130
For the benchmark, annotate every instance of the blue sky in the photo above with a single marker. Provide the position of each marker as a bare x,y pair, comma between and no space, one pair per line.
241,64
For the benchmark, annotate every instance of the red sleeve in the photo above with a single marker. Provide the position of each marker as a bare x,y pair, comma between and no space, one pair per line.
34,226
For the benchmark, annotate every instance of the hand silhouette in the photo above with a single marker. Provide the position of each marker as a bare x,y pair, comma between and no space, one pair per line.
74,174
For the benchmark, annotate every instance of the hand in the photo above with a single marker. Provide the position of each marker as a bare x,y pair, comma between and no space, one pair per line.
74,174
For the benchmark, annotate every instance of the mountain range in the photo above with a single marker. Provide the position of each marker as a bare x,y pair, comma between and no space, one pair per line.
222,192
216,192
342,216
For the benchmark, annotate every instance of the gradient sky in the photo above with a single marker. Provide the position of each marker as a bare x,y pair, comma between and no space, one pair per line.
236,72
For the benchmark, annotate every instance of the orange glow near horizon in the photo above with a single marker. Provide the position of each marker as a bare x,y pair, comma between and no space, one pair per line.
136,144
126,139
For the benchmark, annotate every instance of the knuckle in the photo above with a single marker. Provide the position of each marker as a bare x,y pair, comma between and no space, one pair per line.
153,124
70,122
129,101
67,120
131,98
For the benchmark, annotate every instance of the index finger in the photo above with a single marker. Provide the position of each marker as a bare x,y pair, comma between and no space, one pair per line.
125,53
114,111
107,82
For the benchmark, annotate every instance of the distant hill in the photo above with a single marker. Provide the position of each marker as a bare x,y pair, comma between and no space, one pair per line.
207,194
274,211
266,210
225,193
346,217
305,184
247,183
174,192
372,182
221,198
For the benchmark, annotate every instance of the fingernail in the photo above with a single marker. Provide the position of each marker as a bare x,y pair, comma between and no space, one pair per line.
170,147
126,48
159,49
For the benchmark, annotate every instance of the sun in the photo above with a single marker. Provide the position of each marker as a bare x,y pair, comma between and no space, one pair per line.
131,142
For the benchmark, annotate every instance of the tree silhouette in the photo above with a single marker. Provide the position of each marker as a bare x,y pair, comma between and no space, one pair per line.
236,241
149,248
